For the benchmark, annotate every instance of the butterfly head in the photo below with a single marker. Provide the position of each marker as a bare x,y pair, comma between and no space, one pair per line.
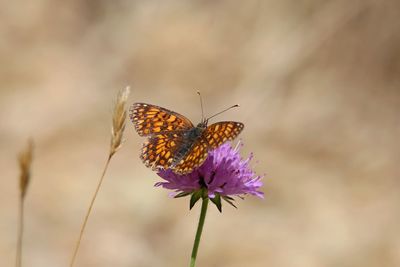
203,124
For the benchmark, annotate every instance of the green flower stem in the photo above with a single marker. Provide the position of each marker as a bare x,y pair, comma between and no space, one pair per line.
202,218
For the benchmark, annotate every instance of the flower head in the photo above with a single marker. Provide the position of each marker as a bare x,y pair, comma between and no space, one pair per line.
224,174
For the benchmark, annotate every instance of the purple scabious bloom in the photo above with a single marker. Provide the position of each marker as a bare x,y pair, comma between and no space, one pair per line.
224,174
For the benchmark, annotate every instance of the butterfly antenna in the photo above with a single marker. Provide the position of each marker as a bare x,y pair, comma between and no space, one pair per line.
234,106
201,104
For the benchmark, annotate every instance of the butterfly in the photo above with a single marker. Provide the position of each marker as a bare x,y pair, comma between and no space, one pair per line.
174,142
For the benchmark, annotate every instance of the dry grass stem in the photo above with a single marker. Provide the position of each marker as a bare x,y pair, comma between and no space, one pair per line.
117,130
25,161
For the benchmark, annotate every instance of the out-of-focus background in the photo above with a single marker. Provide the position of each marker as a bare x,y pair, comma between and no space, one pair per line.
319,88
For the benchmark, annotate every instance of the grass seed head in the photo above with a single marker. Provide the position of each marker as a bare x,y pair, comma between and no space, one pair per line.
25,162
119,120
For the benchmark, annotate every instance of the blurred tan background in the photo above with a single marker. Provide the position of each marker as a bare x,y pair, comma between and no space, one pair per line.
319,88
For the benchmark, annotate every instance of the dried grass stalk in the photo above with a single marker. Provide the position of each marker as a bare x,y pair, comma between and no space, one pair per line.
25,162
117,130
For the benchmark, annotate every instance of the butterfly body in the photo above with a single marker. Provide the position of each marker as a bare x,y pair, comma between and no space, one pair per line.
174,142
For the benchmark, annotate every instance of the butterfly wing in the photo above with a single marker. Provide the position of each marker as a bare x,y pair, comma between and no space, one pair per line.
194,158
151,119
218,133
158,151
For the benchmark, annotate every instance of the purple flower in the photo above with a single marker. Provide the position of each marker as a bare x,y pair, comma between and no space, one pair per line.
224,174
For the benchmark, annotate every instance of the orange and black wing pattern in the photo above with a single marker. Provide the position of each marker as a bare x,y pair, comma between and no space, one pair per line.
218,133
151,119
159,150
194,158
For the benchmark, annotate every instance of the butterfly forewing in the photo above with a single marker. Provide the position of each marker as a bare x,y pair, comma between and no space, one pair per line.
150,119
218,133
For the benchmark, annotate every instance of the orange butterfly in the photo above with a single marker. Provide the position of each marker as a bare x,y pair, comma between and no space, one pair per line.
174,142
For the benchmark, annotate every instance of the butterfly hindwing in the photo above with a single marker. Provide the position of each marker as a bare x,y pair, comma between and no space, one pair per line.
159,150
194,158
218,133
151,119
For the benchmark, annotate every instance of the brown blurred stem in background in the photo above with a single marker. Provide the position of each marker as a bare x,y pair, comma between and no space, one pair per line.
117,130
25,161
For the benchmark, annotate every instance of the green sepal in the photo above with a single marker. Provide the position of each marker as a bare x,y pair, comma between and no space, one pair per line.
229,200
183,194
196,195
217,201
